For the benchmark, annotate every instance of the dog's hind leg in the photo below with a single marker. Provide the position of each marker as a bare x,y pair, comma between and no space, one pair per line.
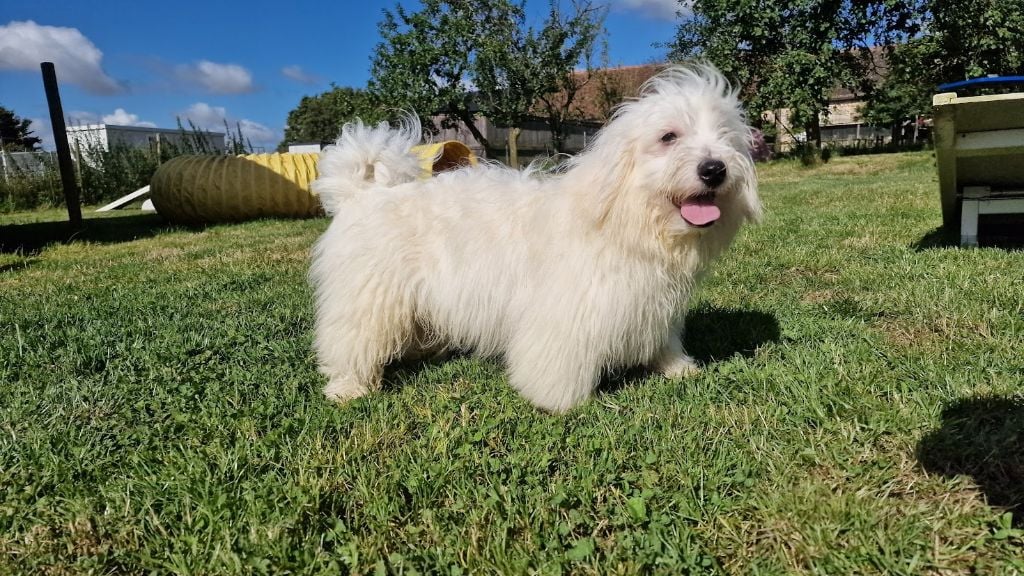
353,365
354,342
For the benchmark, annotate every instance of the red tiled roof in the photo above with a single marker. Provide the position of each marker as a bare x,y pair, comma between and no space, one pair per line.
602,89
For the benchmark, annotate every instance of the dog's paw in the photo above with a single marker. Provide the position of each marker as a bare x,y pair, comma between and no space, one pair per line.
342,390
679,368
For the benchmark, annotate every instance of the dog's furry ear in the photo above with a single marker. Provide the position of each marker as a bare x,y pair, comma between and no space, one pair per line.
608,164
615,181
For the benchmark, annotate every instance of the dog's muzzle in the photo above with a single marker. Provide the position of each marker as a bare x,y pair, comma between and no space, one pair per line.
711,172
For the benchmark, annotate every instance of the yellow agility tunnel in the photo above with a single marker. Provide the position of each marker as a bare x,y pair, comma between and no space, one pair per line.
210,189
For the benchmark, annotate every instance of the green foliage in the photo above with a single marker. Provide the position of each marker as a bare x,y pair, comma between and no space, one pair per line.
903,93
960,40
104,174
423,62
15,135
506,69
972,38
859,411
565,42
107,174
320,118
793,54
25,190
112,173
235,142
519,69
458,58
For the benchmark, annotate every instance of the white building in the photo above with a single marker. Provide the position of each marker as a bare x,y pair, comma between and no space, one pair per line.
304,148
102,136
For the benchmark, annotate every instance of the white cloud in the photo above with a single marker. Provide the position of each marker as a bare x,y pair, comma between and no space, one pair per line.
79,117
257,133
299,75
23,45
657,9
213,118
122,118
119,117
216,78
40,128
205,116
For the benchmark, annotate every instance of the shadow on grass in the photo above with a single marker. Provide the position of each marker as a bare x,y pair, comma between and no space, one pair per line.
995,231
982,438
400,372
712,335
937,238
20,265
31,237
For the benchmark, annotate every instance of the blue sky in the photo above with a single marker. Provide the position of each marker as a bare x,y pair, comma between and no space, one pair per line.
146,63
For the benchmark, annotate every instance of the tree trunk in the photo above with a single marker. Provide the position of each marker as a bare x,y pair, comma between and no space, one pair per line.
467,119
513,146
814,131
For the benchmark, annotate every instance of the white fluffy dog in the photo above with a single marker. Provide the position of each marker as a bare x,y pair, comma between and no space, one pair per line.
565,275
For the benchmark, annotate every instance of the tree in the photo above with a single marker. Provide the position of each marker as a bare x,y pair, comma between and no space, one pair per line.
15,134
903,92
505,72
566,43
609,89
792,54
960,39
972,38
422,63
320,118
518,69
458,58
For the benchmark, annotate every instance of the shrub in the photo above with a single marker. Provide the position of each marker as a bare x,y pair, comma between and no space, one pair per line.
105,174
22,189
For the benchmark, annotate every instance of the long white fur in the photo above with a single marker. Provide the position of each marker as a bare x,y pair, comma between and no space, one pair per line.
563,276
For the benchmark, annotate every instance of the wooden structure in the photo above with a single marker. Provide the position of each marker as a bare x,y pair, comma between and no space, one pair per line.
979,147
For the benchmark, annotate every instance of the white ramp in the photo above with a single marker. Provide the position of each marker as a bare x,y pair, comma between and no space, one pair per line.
125,200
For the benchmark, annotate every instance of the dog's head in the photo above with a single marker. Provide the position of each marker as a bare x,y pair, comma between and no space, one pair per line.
678,157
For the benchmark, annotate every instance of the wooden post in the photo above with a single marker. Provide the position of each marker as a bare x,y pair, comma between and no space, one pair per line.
513,147
60,139
3,159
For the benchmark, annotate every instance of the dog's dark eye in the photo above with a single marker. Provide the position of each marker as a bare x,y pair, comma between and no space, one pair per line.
669,137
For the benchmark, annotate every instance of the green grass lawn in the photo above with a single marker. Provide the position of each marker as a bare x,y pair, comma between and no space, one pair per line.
861,411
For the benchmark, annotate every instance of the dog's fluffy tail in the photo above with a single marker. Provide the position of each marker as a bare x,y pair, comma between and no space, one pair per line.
365,156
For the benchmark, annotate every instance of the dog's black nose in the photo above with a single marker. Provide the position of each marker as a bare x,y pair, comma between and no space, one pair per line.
711,172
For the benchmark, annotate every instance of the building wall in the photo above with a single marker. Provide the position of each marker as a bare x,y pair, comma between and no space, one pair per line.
136,138
843,113
534,138
304,148
841,126
103,136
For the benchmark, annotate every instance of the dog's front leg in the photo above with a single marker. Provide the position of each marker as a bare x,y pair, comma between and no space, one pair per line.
551,375
672,361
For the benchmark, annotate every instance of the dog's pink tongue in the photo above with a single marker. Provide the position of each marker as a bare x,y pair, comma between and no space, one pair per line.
700,211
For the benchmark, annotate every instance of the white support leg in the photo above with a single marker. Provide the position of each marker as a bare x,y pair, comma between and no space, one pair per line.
969,222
